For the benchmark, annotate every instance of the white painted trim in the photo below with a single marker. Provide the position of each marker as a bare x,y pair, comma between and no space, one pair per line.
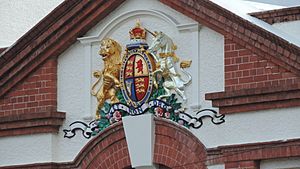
117,20
189,27
281,163
141,149
88,82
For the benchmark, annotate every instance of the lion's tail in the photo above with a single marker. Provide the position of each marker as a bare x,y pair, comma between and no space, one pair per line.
93,92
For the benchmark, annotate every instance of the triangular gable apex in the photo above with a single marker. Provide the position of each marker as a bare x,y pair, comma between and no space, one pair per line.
60,29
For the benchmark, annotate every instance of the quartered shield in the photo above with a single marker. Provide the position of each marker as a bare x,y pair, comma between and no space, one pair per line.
136,78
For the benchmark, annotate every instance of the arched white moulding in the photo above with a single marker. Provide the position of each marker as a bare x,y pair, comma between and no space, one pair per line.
193,26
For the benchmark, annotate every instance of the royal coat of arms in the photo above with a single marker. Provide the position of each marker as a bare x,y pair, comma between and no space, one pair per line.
144,80
136,72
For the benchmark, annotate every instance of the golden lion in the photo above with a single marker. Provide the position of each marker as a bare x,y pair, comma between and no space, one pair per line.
110,50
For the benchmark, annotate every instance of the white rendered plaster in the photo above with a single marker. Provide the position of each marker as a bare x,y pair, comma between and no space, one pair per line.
217,166
139,133
192,26
211,64
251,127
284,163
72,99
139,6
87,88
19,16
292,28
25,149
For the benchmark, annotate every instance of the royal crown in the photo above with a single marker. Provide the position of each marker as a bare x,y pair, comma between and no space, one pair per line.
137,32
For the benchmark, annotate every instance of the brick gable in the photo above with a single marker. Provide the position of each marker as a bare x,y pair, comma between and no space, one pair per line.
279,15
245,70
31,106
2,50
254,83
35,94
249,155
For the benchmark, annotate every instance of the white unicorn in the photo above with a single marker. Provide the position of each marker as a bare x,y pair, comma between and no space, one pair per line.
163,50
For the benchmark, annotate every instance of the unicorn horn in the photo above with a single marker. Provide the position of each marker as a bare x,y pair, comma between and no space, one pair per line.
153,34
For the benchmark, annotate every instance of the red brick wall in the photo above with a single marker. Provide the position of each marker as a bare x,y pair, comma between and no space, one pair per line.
279,15
2,49
249,155
176,147
244,70
36,94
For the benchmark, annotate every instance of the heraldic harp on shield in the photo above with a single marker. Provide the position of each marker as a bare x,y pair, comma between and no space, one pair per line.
144,79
